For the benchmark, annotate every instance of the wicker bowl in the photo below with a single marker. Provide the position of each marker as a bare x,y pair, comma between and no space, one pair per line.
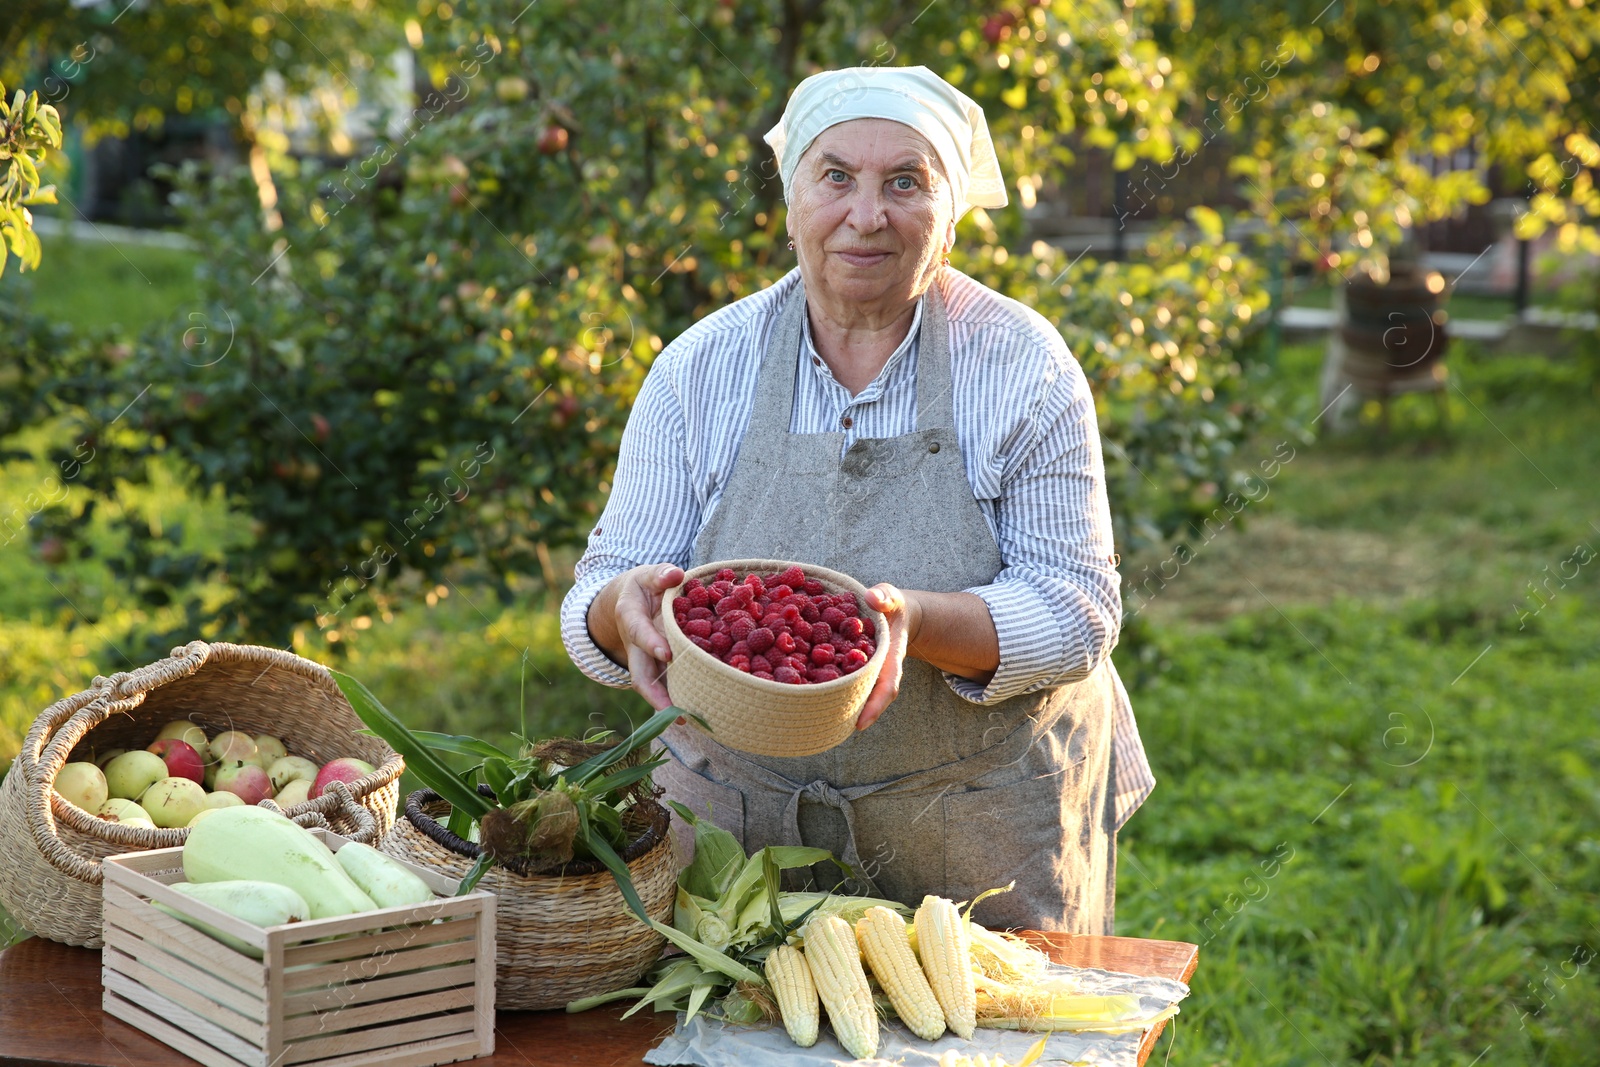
562,936
759,716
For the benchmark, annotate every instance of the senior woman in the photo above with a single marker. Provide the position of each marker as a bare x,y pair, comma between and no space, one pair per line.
880,413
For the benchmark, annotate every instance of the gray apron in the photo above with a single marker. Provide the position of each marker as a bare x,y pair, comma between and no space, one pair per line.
940,795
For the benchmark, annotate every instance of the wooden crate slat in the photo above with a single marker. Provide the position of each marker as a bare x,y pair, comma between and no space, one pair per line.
156,864
122,950
168,1034
486,968
251,1030
228,924
180,939
428,1053
377,989
329,1022
376,966
181,1017
384,1037
378,943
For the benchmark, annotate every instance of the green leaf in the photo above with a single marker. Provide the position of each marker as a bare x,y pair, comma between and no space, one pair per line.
602,851
460,744
720,962
648,731
420,759
470,881
619,780
497,772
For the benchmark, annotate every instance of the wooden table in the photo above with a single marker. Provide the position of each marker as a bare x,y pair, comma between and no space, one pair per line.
50,1011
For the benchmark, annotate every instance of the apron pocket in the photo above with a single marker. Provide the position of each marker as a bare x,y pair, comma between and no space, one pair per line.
1038,831
723,804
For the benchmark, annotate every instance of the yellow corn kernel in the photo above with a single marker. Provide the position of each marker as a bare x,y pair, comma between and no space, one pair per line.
835,962
790,978
943,943
882,936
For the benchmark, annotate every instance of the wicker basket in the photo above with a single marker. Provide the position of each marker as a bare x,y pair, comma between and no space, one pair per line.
50,881
559,936
770,718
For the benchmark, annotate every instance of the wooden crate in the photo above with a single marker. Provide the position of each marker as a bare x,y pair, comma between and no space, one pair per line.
409,986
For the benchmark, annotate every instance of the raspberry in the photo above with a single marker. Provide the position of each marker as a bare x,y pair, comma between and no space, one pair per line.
821,633
867,647
760,639
850,607
680,607
791,613
726,575
794,577
700,597
821,655
818,675
855,659
692,584
868,627
721,589
801,628
760,663
812,586
772,620
762,674
698,628
741,629
701,613
740,663
788,675
779,592
798,662
740,648
810,612
744,594
701,642
832,615
802,646
851,628
783,641
727,604
756,585
720,644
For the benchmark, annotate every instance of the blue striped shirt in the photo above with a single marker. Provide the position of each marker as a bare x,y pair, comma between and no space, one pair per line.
1029,443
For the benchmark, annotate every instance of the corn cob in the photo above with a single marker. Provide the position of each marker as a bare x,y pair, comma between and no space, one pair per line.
835,961
943,943
953,1058
790,978
882,935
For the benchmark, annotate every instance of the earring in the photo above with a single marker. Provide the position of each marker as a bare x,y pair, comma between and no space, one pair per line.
791,246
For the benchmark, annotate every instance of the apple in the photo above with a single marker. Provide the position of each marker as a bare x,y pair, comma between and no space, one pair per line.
82,784
181,758
202,813
295,792
174,801
107,756
346,769
124,811
511,90
210,780
187,732
291,768
131,773
553,139
246,781
223,800
233,746
269,750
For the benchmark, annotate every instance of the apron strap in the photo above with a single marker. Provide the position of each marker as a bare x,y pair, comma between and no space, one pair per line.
860,883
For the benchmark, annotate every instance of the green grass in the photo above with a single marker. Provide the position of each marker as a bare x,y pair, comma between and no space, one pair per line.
94,284
1379,769
1319,294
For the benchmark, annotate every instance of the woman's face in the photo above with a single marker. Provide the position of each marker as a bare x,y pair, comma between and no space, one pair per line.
870,213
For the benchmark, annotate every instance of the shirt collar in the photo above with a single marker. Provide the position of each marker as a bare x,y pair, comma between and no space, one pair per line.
808,351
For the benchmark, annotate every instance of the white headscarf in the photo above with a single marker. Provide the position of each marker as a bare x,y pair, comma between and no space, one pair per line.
951,121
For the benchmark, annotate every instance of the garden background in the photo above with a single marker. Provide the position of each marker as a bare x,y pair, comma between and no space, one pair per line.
361,394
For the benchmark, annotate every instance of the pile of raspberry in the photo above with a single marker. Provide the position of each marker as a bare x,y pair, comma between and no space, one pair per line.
782,627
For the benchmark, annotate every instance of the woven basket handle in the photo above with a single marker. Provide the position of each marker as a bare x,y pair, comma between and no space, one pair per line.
336,798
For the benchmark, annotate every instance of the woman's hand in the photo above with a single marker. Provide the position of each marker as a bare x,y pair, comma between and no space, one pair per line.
904,612
622,623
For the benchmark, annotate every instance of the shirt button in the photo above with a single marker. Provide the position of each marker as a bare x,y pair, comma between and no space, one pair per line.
846,421
815,362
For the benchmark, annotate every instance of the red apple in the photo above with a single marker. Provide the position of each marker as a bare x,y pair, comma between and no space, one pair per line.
246,781
182,760
346,769
553,139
